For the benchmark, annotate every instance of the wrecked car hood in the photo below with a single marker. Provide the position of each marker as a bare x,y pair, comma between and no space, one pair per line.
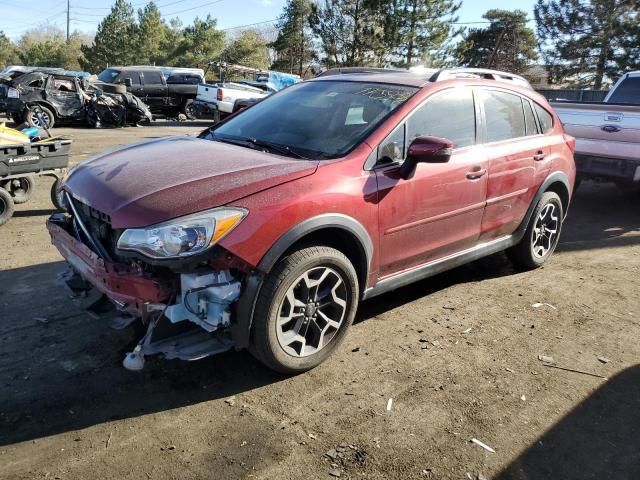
150,182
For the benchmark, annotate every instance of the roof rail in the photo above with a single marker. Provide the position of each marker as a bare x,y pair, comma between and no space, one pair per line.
448,73
369,70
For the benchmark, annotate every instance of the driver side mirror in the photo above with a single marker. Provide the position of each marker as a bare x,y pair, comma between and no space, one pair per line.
426,150
128,82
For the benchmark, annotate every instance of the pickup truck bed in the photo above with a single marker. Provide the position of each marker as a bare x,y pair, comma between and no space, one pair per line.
607,134
607,139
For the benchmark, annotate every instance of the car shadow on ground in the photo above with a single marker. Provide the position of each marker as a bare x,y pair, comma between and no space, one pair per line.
598,439
33,213
601,216
61,370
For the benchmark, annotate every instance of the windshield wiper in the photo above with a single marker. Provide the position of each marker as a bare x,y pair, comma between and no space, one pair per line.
254,142
282,149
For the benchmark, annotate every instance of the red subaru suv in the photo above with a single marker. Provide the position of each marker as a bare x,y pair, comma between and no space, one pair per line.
268,229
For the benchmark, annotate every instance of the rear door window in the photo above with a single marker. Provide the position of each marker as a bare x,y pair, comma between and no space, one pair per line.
152,78
63,84
449,115
546,119
504,116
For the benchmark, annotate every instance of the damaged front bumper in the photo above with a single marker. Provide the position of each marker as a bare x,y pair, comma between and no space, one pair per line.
128,290
188,315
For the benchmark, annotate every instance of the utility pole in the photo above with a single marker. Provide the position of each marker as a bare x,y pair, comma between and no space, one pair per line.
68,8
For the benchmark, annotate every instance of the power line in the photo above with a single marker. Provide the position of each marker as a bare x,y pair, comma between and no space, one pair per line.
194,8
248,25
26,26
138,4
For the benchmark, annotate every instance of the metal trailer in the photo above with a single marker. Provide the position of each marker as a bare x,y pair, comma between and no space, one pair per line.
21,163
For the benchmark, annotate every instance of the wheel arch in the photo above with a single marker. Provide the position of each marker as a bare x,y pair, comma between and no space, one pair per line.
48,106
334,230
557,182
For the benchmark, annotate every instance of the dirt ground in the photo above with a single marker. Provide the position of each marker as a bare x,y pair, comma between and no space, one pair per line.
458,354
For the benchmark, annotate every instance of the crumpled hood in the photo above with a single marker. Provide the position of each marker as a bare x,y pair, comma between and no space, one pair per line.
154,181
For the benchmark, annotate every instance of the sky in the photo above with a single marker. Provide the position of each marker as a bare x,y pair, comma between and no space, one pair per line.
87,14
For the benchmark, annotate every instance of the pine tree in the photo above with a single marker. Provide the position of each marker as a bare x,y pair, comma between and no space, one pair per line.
152,35
506,44
349,31
202,43
589,42
294,45
416,30
249,48
116,41
8,51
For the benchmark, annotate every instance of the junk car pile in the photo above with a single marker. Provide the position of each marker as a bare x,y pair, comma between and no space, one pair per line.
68,97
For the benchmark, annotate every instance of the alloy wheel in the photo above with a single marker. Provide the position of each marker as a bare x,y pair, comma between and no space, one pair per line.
312,311
45,118
545,231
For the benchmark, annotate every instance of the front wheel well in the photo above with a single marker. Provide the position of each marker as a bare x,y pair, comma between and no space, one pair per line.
341,240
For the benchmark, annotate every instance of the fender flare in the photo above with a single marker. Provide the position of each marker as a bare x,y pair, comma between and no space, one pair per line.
554,177
245,306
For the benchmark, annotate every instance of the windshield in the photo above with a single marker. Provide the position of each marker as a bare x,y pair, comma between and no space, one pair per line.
321,119
627,92
108,75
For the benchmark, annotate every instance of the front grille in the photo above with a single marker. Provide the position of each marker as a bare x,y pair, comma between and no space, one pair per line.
99,225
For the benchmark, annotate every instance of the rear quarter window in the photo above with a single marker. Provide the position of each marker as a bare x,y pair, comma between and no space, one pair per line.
529,118
546,119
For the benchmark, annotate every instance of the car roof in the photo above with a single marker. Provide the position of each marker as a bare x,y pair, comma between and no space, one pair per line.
136,67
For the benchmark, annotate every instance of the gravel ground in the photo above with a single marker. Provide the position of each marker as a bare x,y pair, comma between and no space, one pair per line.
458,354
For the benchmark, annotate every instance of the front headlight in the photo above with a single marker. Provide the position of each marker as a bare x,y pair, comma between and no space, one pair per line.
183,236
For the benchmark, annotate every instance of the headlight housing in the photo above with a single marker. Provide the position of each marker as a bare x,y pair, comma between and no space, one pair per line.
184,236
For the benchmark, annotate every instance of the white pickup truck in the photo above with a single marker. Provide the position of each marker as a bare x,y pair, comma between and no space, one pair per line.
221,99
607,134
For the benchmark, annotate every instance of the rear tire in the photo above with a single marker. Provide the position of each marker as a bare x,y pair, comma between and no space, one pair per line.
188,109
542,234
47,115
6,206
304,309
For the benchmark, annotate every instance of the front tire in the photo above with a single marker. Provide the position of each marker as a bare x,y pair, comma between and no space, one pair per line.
56,191
542,234
304,309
